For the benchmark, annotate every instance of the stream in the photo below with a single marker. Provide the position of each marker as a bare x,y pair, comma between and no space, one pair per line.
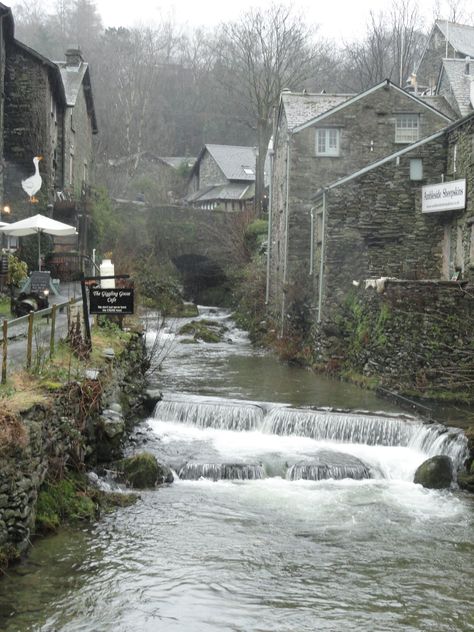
293,510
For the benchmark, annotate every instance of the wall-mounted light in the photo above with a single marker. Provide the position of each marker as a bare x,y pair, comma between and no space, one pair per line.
7,210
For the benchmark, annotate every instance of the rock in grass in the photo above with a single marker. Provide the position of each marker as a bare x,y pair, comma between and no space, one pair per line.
142,471
435,473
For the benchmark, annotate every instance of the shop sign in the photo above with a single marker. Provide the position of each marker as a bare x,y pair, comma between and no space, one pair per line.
110,301
445,196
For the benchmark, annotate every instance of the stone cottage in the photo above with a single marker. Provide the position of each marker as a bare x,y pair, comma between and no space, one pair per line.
319,139
223,178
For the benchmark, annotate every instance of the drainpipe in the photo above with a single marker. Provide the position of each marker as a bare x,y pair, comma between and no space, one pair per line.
323,248
287,221
269,234
311,243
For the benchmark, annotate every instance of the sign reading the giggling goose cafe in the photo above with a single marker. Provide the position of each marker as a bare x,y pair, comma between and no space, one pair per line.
445,196
109,301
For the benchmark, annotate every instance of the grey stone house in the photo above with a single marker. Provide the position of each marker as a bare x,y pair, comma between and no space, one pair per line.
223,178
446,67
319,139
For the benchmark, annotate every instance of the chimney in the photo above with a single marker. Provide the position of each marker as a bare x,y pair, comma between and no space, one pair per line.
74,57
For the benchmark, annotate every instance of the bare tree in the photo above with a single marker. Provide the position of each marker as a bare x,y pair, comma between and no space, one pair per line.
260,55
390,49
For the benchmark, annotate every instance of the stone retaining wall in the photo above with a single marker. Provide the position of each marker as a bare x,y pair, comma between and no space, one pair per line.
85,423
412,334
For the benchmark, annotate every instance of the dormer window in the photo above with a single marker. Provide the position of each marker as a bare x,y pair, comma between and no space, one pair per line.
407,128
248,170
327,141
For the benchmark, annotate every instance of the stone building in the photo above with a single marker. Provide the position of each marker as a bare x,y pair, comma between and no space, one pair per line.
34,105
390,264
223,178
48,111
447,40
319,139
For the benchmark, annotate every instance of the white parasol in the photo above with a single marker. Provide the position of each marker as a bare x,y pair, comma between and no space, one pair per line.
38,224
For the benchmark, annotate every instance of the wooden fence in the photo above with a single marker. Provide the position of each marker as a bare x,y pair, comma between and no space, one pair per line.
51,314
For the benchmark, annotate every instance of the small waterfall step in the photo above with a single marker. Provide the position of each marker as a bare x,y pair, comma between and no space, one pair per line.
194,471
210,412
327,464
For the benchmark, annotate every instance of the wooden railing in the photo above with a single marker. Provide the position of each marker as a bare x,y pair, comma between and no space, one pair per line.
30,320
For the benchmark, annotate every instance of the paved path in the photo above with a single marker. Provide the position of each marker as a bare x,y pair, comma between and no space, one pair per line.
17,333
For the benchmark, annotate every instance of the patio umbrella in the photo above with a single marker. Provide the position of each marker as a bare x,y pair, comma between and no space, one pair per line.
38,224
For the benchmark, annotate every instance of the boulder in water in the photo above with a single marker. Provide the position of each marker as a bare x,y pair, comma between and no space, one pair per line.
435,473
143,471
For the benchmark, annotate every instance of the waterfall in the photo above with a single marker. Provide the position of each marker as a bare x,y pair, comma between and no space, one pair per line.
339,427
343,427
209,414
218,471
329,464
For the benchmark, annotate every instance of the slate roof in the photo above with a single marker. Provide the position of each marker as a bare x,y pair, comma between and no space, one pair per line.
455,70
301,107
231,160
460,36
225,192
439,103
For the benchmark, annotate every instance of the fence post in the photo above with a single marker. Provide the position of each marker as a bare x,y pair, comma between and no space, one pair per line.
29,344
5,351
53,331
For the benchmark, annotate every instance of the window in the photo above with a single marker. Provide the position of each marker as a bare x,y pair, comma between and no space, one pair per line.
407,128
248,170
416,169
327,142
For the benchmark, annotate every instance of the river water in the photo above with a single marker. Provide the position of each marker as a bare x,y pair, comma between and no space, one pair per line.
290,515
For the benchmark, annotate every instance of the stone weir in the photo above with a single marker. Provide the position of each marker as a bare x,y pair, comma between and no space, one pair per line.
82,424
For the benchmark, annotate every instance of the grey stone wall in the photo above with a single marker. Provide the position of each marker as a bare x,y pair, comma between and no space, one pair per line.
415,335
59,436
31,128
209,172
428,70
375,227
78,145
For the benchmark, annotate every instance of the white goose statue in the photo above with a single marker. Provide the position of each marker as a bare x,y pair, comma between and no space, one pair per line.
32,184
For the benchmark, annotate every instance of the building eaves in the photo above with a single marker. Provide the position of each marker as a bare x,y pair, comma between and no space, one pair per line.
382,85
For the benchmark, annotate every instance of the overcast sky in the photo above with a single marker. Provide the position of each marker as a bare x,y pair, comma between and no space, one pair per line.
338,19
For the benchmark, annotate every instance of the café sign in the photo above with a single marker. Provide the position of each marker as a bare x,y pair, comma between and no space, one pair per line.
110,301
445,196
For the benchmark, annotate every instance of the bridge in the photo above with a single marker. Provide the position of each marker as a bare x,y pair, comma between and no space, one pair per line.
200,243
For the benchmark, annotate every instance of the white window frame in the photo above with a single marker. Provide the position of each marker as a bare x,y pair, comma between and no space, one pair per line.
328,141
407,128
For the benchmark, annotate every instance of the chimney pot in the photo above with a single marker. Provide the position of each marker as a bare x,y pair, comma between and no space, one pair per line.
74,57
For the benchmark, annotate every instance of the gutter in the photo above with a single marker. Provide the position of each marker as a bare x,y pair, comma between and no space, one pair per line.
287,221
269,232
323,248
